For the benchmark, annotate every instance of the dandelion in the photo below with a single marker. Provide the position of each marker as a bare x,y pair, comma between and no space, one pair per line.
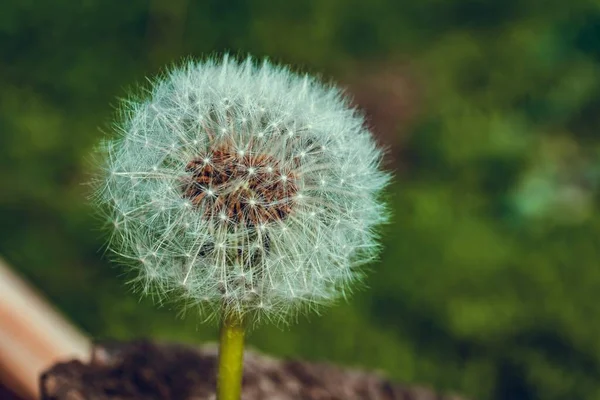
245,189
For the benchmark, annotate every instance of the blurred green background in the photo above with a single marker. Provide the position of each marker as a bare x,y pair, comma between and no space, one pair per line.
489,283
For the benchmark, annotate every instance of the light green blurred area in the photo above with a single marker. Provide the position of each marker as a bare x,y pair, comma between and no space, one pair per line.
489,279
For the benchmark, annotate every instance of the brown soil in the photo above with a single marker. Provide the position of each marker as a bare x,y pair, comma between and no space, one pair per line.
6,394
145,370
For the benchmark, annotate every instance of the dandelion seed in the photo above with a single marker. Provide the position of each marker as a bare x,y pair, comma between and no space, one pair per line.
226,213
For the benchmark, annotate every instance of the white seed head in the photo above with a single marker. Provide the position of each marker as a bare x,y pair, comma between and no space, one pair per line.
243,187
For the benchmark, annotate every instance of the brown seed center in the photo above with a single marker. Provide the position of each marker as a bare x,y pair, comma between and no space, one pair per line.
248,189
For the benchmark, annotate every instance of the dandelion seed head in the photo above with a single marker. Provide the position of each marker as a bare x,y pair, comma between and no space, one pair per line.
243,186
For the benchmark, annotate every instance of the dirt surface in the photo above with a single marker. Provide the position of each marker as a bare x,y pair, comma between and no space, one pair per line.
145,370
6,394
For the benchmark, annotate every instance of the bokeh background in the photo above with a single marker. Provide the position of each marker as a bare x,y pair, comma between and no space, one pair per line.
489,281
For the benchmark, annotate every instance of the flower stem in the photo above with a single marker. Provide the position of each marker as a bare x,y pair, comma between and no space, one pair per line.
231,357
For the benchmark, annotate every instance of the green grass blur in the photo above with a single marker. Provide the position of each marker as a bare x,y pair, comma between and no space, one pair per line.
489,282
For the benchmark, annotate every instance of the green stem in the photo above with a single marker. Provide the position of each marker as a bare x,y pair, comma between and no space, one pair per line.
231,357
